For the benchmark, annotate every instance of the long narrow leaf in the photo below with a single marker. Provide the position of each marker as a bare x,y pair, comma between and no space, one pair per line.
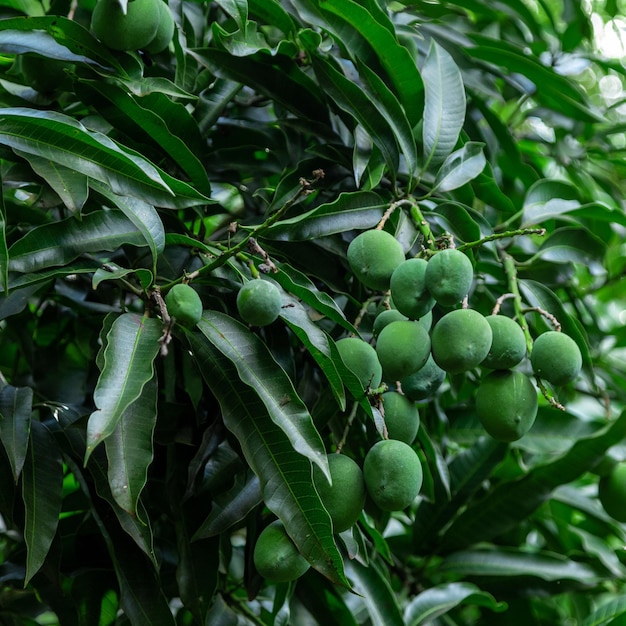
62,139
132,345
257,368
444,106
284,474
59,243
16,406
42,492
130,451
4,248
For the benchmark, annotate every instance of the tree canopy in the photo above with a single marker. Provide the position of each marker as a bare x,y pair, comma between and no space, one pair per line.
150,433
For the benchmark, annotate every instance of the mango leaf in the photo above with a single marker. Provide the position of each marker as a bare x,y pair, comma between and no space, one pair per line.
502,562
56,37
113,272
129,449
143,215
257,368
131,347
4,249
301,286
284,474
394,58
510,502
351,210
615,607
271,12
81,266
577,245
16,406
317,343
129,114
444,105
42,492
440,599
71,186
324,601
62,139
231,507
371,583
366,111
460,167
237,9
59,243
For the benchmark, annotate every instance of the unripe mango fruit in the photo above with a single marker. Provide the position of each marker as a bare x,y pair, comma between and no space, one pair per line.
408,289
402,418
402,349
373,256
131,31
393,474
275,555
612,492
165,30
449,276
424,382
461,340
385,318
360,358
259,302
506,404
508,344
345,498
184,304
556,357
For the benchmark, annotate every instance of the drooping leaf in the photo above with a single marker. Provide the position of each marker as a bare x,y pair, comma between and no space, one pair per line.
59,243
231,507
130,451
131,347
284,474
71,186
62,139
42,492
4,249
16,405
440,599
444,105
257,368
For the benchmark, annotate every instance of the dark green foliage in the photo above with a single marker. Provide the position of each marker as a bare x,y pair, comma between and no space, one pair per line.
256,142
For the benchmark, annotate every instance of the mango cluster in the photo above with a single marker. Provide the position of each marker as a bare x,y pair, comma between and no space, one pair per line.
418,355
142,25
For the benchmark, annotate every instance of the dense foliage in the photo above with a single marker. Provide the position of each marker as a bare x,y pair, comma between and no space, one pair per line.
142,457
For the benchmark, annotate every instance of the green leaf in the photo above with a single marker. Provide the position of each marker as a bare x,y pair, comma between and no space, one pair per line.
577,245
129,449
324,601
440,599
110,271
444,104
284,474
394,58
257,368
301,286
127,113
503,562
271,12
317,343
351,98
71,186
131,347
42,492
509,502
278,78
231,507
460,167
62,139
4,249
68,34
16,406
615,607
61,242
351,210
143,215
237,9
373,585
